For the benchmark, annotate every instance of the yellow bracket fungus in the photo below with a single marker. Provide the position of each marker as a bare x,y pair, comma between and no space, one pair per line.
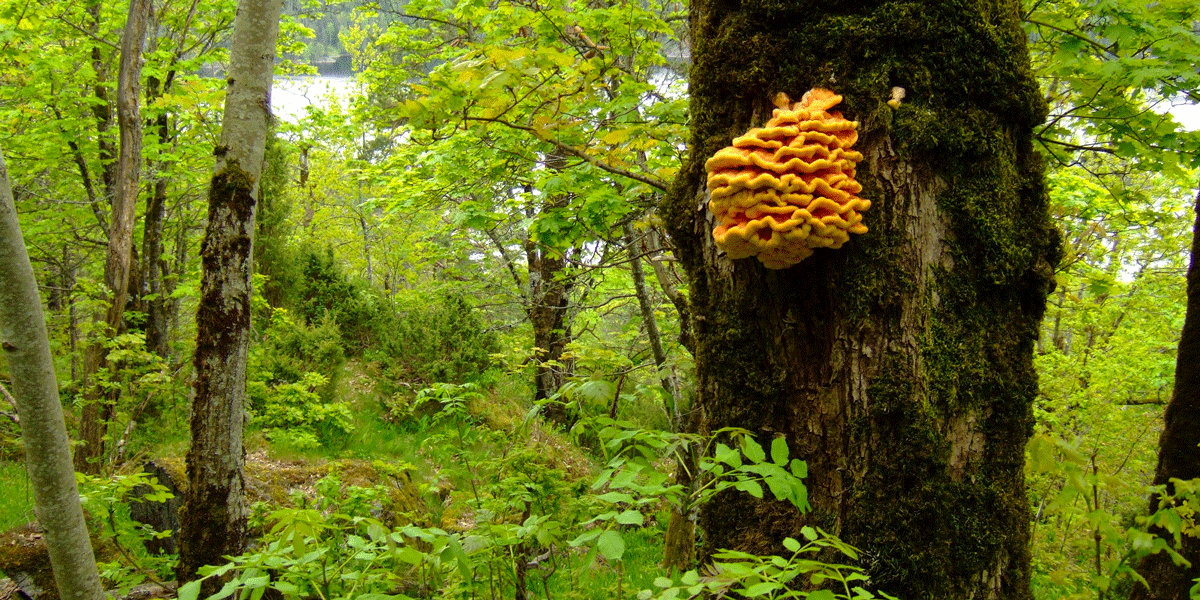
786,188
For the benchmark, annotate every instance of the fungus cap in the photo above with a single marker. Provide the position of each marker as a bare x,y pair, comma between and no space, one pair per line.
788,187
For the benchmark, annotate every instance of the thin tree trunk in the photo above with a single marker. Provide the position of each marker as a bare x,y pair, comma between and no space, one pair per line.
152,236
666,283
668,381
899,367
98,403
47,451
213,522
1179,446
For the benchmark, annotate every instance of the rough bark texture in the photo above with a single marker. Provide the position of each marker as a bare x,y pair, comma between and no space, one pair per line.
1179,445
213,523
549,297
98,406
900,366
47,451
549,300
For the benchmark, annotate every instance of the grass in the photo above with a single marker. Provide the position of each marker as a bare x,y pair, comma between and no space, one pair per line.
16,503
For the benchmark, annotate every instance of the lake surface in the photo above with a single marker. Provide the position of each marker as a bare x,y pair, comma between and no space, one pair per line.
291,95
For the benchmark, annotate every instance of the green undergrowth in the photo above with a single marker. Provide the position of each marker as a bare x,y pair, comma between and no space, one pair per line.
16,503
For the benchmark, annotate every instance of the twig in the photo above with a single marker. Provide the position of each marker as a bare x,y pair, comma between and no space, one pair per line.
653,182
15,415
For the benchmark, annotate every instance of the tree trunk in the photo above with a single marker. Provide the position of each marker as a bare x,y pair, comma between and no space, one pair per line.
47,451
1179,446
665,377
666,282
213,523
98,403
899,366
549,300
152,235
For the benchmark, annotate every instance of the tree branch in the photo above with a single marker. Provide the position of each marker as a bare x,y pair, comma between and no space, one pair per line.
14,416
653,182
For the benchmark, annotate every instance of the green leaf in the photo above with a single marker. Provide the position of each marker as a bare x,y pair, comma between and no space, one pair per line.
630,517
615,497
822,595
190,590
791,544
750,487
753,450
584,538
762,589
611,545
779,451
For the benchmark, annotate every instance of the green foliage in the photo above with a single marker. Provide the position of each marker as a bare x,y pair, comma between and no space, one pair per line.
332,550
290,349
633,478
443,342
801,574
16,505
324,290
505,517
108,500
293,381
296,415
274,256
1104,64
1085,547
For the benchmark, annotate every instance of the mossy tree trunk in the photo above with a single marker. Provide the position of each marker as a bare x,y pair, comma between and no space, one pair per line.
213,523
1179,445
899,366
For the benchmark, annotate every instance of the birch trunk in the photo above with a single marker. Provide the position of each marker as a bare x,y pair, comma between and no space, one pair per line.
43,431
213,523
899,366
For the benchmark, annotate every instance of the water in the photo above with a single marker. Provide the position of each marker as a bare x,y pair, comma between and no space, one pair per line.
291,95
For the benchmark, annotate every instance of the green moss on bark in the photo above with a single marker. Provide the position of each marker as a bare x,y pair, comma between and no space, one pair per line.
923,469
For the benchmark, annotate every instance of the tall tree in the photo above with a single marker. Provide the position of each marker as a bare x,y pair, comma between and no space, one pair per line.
47,451
213,523
99,403
899,366
1179,445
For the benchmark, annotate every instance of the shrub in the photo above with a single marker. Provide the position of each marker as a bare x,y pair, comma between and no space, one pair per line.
291,349
296,414
443,343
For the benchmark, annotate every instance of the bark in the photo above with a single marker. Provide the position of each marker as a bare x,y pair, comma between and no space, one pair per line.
549,297
666,282
213,523
152,236
24,339
665,377
98,405
549,301
1179,445
899,366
